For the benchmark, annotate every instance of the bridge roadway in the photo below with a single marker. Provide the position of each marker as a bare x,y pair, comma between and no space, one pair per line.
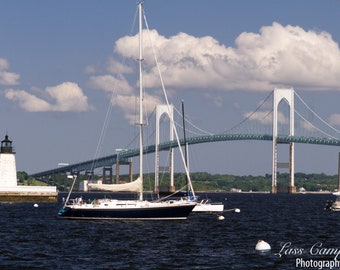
125,154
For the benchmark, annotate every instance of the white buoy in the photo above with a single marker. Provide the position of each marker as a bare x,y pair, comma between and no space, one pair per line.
220,217
36,205
237,210
262,246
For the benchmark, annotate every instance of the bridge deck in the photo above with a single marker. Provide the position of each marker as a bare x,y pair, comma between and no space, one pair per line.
123,155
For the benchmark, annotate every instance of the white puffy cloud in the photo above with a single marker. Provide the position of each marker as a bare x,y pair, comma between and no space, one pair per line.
110,83
306,125
123,95
291,56
64,97
128,104
113,67
7,78
27,101
276,56
266,117
116,67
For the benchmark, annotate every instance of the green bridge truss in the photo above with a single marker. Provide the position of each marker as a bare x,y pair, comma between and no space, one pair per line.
126,154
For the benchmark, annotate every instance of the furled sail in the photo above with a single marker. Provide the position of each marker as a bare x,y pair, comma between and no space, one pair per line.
135,186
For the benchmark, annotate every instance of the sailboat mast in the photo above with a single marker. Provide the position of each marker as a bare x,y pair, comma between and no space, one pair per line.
185,145
184,136
140,9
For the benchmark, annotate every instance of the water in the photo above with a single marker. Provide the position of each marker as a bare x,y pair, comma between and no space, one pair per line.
35,238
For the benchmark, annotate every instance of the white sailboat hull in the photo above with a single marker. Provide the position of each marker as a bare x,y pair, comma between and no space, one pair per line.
334,205
206,206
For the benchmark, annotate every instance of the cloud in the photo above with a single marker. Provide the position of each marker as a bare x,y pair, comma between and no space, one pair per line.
27,101
113,67
123,95
7,78
64,97
291,56
216,100
277,56
306,125
116,67
334,119
128,104
266,117
110,83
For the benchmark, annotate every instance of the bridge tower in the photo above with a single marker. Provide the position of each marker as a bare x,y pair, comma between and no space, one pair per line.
279,95
168,110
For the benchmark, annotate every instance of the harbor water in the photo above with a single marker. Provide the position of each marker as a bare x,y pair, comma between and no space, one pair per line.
302,235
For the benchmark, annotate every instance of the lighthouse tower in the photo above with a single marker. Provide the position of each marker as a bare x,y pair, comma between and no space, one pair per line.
9,190
8,173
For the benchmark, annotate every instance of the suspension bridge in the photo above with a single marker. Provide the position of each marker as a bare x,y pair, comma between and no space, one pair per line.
279,129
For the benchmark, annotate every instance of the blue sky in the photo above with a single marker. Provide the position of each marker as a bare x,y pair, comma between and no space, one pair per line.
60,61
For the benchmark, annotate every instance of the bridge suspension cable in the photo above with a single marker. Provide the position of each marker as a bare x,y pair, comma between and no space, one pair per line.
318,129
114,94
310,109
251,114
192,124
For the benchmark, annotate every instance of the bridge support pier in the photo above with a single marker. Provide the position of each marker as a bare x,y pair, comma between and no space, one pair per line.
274,189
118,163
279,95
107,180
292,189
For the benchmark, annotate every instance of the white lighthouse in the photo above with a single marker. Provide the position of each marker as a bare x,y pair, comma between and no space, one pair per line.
9,190
8,172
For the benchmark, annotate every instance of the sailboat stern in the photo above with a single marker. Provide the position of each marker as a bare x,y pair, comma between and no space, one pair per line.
64,212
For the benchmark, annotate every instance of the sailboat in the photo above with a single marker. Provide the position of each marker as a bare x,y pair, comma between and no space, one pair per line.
128,209
204,205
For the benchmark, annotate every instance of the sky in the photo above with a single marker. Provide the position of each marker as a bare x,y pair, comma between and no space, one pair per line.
67,67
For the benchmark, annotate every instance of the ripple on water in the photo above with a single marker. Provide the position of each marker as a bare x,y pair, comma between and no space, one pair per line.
34,238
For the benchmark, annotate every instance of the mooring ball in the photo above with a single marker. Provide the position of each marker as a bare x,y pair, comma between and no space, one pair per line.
262,246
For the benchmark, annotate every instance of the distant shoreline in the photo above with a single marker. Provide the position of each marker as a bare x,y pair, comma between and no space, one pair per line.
215,192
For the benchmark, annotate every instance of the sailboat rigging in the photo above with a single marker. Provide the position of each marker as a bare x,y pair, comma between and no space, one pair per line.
185,144
129,209
203,205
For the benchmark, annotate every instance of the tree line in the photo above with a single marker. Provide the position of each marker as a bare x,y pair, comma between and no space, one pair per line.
204,181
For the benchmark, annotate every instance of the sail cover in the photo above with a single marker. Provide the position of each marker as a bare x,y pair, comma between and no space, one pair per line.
135,186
